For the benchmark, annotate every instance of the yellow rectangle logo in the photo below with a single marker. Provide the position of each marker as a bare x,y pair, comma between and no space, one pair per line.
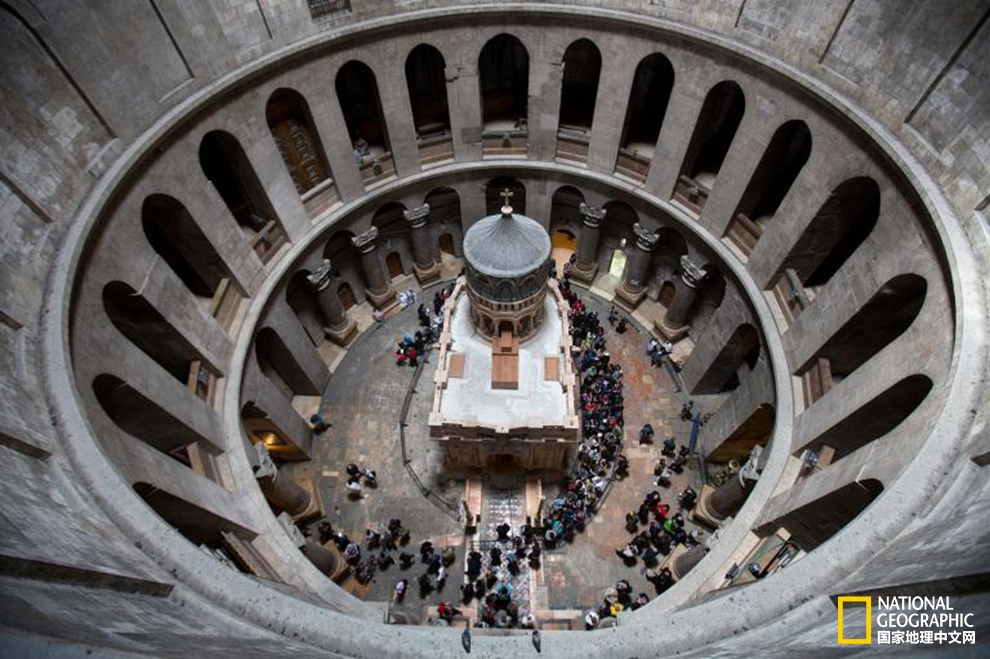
867,600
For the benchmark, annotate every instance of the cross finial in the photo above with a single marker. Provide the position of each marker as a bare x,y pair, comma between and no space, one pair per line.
506,194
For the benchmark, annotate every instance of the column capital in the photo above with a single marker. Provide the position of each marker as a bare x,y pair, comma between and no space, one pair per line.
418,216
593,216
645,240
320,278
691,274
262,464
365,241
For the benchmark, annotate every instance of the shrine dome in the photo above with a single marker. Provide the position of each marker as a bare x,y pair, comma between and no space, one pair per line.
506,245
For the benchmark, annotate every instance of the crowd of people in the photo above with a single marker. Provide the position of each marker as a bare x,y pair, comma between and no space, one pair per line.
381,547
488,577
599,458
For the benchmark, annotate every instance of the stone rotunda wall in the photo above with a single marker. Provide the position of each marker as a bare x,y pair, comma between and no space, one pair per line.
142,310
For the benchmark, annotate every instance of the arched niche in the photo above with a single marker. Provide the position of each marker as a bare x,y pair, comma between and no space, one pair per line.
579,88
503,72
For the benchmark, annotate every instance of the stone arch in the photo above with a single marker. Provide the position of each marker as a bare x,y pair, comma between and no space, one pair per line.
714,131
503,72
579,87
357,92
227,167
815,522
445,220
142,324
176,237
279,365
427,84
298,141
647,107
755,430
785,156
565,208
839,227
888,313
742,347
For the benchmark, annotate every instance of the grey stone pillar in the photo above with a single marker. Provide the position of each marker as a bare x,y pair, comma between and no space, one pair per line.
279,489
425,268
686,561
379,290
586,266
674,324
326,561
338,326
632,290
715,507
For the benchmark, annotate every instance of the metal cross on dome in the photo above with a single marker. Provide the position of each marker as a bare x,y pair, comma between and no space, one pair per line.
506,194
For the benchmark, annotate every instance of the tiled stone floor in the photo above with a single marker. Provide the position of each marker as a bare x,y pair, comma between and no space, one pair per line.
363,402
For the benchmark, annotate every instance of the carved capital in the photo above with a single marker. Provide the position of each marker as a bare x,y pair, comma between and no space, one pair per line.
418,216
366,241
593,217
691,273
645,240
263,465
320,278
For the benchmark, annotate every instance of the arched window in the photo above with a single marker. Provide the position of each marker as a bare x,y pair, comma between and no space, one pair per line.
755,430
713,134
779,167
226,166
841,225
565,208
885,316
493,195
503,69
648,99
147,329
814,523
176,237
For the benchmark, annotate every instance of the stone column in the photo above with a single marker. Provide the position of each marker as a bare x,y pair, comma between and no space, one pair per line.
326,561
338,326
684,562
675,323
279,489
379,290
716,506
586,266
632,290
424,266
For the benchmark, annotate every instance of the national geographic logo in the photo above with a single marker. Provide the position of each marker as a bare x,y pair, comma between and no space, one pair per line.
908,620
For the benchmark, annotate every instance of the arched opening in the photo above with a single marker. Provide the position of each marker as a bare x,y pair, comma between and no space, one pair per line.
394,264
346,295
709,298
301,298
648,99
357,92
885,316
225,164
298,142
665,265
754,431
617,237
147,329
666,294
176,237
142,418
445,220
871,421
713,134
446,244
279,365
503,72
503,68
814,523
494,199
786,155
565,209
563,246
196,524
841,225
743,347
427,84
579,91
